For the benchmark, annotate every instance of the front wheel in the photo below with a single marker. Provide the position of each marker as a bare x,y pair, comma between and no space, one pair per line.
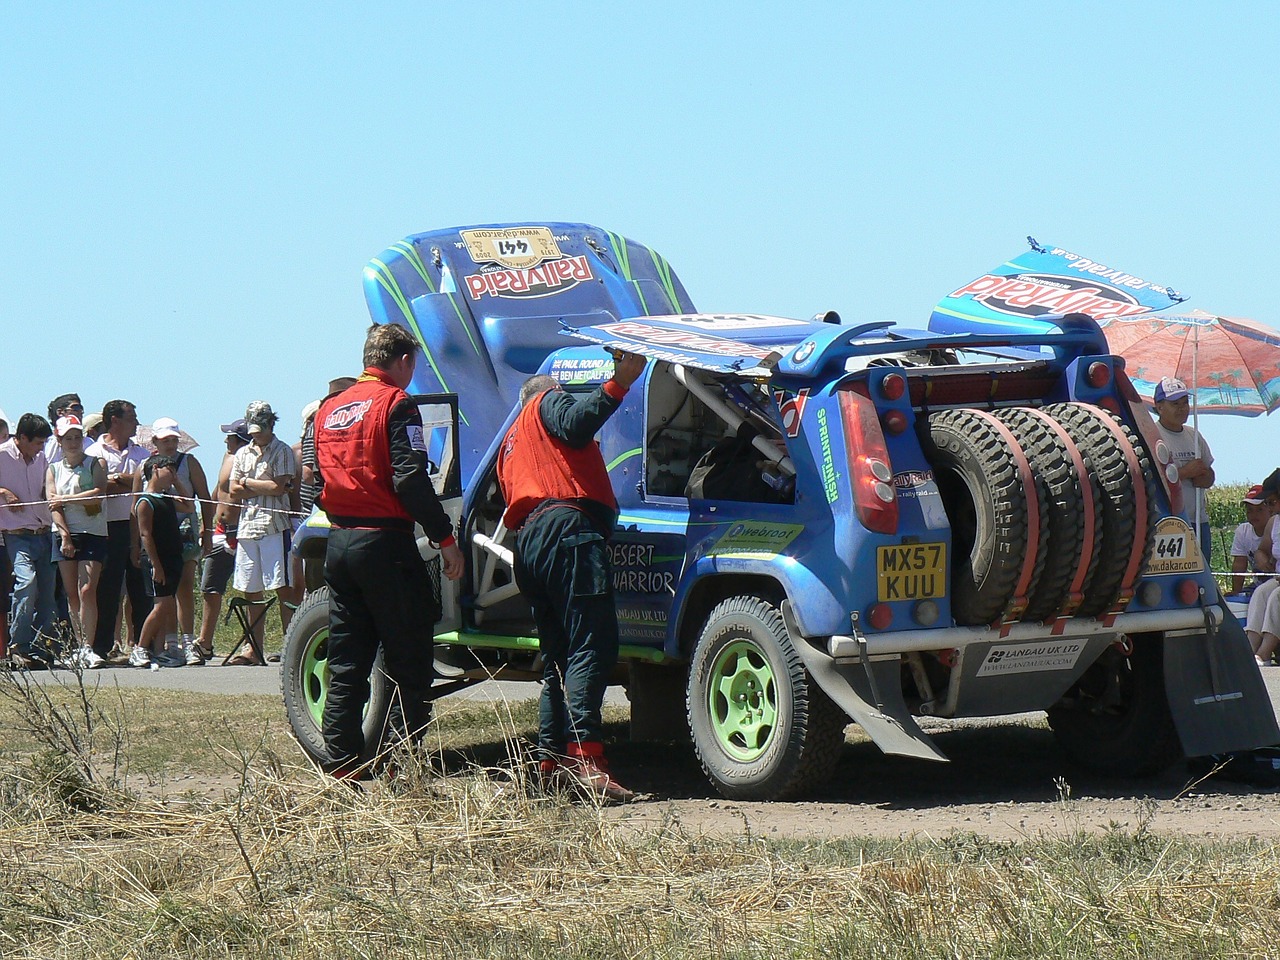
761,727
304,681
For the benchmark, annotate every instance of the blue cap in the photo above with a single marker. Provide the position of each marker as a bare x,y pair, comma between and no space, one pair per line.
1170,388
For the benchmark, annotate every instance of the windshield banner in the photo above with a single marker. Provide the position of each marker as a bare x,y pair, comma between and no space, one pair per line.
1025,294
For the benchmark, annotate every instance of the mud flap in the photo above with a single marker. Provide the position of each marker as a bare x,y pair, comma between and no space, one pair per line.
870,692
1216,694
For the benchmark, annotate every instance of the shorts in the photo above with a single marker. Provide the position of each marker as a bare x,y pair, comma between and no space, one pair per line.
89,548
218,567
262,564
172,576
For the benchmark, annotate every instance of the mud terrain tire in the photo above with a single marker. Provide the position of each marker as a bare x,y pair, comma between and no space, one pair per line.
1115,721
1107,461
304,681
1067,494
762,729
982,491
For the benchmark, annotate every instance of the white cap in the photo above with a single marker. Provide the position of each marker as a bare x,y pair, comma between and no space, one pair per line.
165,427
66,424
309,410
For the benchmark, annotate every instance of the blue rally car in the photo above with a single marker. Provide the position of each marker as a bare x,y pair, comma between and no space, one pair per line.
824,522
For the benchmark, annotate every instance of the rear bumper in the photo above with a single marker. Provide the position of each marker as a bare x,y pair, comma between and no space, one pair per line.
907,641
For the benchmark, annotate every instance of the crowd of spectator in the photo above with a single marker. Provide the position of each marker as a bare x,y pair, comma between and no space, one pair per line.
108,527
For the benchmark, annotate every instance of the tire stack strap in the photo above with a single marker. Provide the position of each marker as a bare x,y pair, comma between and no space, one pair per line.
1018,602
1141,507
1075,596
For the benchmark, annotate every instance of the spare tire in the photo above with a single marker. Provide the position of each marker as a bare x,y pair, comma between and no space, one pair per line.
993,508
1072,499
1122,485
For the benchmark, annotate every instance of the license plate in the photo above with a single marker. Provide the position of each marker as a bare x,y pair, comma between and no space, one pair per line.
911,571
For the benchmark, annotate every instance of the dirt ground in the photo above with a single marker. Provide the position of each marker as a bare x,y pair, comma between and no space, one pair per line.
1002,783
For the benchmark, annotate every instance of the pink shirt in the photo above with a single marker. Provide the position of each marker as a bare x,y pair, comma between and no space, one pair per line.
27,481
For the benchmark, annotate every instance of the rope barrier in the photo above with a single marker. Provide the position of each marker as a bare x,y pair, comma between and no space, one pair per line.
79,501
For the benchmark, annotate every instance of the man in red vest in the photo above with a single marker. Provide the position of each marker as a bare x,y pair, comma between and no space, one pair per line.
371,454
561,502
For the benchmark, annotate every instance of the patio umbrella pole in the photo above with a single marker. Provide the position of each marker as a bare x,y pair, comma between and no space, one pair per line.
1195,424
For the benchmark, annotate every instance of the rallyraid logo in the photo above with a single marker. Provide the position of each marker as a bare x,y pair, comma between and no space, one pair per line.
1037,294
347,415
522,283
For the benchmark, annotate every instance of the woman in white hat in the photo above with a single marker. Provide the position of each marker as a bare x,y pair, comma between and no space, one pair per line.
76,484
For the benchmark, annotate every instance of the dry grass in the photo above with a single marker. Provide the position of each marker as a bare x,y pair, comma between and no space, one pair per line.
290,864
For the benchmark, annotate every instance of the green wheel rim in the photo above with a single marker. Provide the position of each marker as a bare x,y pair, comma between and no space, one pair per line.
742,700
315,675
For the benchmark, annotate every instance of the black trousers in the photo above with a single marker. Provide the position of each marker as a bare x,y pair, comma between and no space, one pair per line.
117,568
379,596
562,568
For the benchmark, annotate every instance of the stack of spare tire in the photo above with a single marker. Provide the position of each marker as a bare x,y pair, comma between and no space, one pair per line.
1052,509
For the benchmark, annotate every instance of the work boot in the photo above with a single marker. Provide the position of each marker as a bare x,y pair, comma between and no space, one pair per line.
586,769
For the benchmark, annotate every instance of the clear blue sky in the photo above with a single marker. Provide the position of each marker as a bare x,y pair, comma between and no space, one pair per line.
188,193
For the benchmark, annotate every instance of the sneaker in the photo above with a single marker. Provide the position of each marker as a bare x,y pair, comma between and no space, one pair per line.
25,661
171,658
83,658
587,771
139,657
173,654
192,650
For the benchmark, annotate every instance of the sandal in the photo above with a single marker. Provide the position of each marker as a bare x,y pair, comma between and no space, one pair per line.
243,661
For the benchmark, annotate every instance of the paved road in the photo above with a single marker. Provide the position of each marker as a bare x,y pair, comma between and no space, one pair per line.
263,680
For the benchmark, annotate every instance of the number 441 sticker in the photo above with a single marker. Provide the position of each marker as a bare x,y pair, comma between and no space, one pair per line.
1175,549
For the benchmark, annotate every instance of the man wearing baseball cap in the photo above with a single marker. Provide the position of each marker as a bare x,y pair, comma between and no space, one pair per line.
1191,455
262,474
1244,546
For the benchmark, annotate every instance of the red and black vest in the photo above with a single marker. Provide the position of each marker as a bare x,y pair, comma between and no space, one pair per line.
353,451
534,466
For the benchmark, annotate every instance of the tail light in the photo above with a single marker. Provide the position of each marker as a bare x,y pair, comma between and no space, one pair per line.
870,474
1188,592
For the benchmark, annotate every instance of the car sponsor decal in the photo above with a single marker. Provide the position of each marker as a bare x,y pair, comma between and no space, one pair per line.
755,541
581,369
1041,285
637,570
792,409
544,280
1174,549
347,415
1037,294
520,263
686,339
731,322
512,248
913,484
829,484
1031,658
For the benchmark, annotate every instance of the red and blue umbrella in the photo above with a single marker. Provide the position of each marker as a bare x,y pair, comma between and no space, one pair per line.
1230,364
